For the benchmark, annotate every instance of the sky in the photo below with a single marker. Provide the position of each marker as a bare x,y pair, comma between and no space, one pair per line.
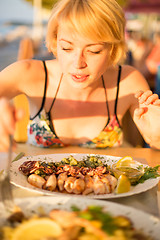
16,10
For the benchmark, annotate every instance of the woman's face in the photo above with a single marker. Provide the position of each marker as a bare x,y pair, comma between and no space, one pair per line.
83,61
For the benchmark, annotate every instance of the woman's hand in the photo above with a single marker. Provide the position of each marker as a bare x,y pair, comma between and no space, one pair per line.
147,97
147,117
8,118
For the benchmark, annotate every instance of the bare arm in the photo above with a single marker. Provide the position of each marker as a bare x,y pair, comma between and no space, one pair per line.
145,111
19,77
148,116
13,79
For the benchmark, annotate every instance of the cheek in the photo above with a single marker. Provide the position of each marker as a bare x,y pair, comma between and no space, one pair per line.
100,64
62,60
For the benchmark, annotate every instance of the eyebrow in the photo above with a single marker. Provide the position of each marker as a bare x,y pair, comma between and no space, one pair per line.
88,45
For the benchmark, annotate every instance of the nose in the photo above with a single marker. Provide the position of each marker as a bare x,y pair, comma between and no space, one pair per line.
79,60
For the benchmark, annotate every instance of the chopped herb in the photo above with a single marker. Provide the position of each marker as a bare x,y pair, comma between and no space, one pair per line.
20,155
96,213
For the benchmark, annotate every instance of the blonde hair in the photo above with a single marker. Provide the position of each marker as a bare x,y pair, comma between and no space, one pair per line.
99,20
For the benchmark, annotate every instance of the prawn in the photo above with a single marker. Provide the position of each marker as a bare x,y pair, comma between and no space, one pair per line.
78,186
98,185
61,180
51,183
88,185
106,184
68,186
64,218
112,180
36,180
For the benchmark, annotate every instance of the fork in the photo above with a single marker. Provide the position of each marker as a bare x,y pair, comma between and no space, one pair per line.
15,212
5,186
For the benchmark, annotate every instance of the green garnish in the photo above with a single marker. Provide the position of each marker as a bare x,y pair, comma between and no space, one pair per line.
108,223
20,155
149,172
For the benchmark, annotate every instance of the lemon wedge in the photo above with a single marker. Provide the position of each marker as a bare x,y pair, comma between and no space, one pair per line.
125,162
123,184
35,229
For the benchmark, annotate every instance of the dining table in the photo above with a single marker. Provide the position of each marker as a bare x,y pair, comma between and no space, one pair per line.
147,201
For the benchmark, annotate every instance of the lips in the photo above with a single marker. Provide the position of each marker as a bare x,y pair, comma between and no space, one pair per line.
79,77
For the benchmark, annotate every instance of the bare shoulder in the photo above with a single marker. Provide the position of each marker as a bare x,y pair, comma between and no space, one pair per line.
25,76
132,79
21,70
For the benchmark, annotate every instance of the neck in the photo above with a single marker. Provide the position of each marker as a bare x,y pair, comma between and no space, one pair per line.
84,93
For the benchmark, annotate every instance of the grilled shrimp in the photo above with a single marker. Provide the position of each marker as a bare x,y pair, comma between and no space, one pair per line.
68,186
88,185
98,185
112,180
36,180
72,224
64,218
61,180
51,183
106,184
78,186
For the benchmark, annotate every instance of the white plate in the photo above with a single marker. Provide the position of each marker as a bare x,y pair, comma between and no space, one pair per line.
149,224
18,179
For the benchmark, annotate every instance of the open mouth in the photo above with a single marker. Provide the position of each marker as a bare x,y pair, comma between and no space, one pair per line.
79,78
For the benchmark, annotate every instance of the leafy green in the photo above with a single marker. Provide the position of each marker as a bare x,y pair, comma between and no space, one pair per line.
96,213
149,172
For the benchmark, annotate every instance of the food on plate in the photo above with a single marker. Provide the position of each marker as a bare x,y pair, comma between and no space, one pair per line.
129,167
87,176
123,184
134,170
90,175
36,228
92,223
125,161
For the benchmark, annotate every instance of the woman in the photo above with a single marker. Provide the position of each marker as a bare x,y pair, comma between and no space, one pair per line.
80,97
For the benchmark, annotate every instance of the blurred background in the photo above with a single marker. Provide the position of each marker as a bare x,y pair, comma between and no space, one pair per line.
21,19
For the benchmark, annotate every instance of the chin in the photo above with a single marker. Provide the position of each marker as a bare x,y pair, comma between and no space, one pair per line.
80,85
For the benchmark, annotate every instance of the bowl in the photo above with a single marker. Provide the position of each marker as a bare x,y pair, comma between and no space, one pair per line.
133,172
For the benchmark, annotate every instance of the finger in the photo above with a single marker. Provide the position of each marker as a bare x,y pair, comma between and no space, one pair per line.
140,111
19,114
157,102
145,96
139,94
151,99
7,119
4,145
4,141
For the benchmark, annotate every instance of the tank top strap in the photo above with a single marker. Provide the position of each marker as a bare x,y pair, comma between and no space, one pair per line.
44,93
106,99
56,93
116,101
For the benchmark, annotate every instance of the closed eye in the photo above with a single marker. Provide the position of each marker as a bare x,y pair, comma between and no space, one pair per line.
66,49
95,52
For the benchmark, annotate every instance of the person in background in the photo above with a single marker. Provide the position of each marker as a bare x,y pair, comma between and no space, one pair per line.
153,59
80,97
143,49
148,65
